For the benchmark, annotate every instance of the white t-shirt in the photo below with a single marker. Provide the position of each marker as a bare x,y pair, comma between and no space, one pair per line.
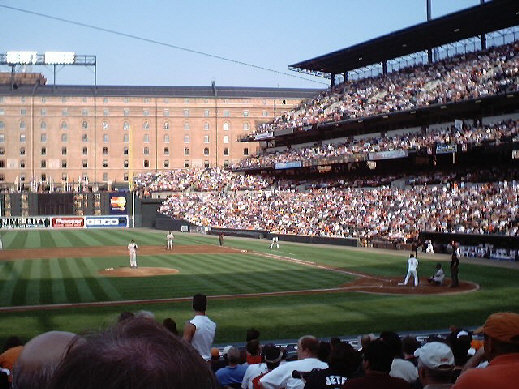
204,335
252,372
281,377
133,247
400,368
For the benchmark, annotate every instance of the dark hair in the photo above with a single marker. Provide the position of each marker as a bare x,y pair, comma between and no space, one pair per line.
410,344
12,341
125,315
325,349
345,358
272,356
253,347
394,343
137,353
379,356
200,302
252,334
170,325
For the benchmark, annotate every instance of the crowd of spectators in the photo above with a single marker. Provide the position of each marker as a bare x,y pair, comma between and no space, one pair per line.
463,77
462,137
365,213
199,180
138,352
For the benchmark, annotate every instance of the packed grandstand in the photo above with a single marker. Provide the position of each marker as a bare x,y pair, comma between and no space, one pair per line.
370,203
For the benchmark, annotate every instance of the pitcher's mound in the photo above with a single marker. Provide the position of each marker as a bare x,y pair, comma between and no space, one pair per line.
139,272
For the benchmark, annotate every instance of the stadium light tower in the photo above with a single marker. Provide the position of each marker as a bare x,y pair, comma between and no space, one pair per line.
49,58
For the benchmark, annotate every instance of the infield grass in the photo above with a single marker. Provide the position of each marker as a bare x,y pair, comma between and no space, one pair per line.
76,280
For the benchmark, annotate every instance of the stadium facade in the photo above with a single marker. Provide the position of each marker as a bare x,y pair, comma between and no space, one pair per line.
59,135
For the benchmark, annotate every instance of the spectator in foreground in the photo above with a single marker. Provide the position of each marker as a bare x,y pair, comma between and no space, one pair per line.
399,367
234,372
435,365
39,359
271,359
501,331
200,330
344,364
12,349
136,353
377,364
281,377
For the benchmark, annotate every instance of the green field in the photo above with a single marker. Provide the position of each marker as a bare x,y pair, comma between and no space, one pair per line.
76,280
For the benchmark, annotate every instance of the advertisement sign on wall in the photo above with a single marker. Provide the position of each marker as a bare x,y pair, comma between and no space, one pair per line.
68,222
117,204
106,221
24,222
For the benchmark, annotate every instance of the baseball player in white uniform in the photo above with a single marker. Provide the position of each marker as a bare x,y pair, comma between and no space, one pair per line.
275,242
132,249
412,270
170,238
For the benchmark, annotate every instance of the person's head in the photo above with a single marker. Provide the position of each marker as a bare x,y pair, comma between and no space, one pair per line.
344,358
378,356
12,341
501,332
411,255
125,316
435,363
252,334
307,347
460,342
393,341
138,353
200,302
272,356
40,358
233,355
253,347
215,354
366,339
324,351
409,345
438,266
132,241
170,325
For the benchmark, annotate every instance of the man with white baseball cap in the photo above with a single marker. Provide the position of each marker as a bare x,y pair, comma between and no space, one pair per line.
435,365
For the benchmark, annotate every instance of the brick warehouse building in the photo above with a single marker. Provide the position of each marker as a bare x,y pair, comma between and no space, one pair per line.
106,134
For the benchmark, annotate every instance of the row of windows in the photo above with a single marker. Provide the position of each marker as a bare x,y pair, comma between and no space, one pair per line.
145,151
106,138
145,100
126,112
126,126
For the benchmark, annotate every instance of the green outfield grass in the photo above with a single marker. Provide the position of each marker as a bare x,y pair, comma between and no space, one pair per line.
76,280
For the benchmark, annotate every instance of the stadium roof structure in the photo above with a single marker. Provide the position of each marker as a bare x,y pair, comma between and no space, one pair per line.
488,17
162,91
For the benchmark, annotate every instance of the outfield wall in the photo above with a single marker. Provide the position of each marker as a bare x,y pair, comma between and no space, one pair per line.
73,222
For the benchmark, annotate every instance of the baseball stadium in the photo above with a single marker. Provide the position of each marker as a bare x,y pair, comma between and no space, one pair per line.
411,152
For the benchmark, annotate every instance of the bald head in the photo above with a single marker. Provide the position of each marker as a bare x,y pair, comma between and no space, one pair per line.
39,359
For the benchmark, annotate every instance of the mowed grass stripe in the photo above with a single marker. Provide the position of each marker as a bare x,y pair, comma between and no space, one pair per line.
90,275
46,239
82,287
32,291
106,290
19,240
71,287
8,287
5,270
72,238
58,290
102,237
19,292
